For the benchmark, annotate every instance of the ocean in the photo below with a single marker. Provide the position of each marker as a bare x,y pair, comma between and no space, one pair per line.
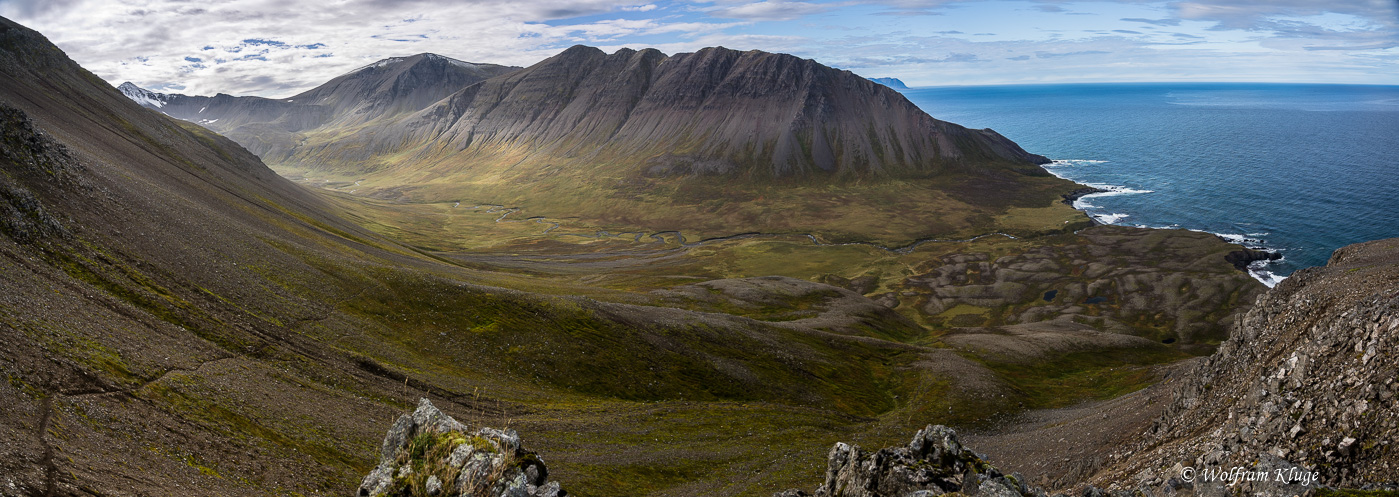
1301,169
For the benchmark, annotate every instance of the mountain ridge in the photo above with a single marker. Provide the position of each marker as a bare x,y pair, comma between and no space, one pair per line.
801,148
761,108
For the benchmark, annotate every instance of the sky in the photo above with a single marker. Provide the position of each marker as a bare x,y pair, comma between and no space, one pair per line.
277,48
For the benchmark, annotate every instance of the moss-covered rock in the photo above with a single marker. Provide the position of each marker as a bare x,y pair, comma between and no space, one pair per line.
427,453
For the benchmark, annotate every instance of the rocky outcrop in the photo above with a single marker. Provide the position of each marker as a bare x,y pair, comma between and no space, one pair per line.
1303,396
1078,193
1308,380
427,453
29,158
934,463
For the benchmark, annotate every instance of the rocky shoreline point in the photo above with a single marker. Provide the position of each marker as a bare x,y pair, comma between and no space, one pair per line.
1242,258
1078,193
429,453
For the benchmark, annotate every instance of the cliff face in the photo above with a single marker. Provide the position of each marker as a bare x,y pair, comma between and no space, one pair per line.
1308,379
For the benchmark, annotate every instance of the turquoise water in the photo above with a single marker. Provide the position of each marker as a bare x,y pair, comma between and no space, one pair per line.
1301,169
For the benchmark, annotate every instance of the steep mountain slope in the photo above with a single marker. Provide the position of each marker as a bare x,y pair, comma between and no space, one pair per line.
153,274
272,127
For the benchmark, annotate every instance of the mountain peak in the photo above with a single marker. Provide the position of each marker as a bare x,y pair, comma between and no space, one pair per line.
143,96
581,50
395,65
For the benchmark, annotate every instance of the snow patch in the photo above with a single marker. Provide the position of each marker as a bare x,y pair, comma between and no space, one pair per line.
143,96
455,62
380,64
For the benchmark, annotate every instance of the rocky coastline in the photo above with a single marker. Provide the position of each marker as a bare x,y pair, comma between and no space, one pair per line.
1239,258
1242,258
1078,193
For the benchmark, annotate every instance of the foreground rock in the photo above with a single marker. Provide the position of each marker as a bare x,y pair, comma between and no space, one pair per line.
429,453
934,463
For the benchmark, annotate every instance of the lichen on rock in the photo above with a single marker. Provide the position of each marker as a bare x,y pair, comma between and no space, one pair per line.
427,453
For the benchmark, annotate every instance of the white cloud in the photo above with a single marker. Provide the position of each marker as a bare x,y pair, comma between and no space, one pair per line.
771,10
150,42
